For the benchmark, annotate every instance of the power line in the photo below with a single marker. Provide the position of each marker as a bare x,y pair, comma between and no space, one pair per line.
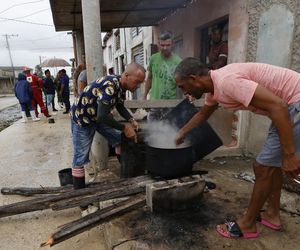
11,19
36,12
15,5
52,48
39,39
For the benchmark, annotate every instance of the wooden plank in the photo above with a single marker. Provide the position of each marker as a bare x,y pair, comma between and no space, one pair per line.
29,191
78,226
100,196
46,202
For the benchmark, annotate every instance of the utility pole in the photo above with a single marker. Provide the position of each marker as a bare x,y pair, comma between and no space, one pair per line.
8,47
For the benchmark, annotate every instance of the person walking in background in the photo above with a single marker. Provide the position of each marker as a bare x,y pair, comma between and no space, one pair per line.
37,98
55,90
53,101
57,85
49,89
23,92
160,76
65,90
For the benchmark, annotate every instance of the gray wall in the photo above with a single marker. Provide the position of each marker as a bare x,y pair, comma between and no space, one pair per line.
6,86
273,37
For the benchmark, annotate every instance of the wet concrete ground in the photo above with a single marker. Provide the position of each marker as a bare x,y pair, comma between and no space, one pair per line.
9,111
31,154
9,115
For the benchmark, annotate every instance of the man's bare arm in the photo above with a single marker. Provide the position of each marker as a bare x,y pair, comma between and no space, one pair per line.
148,84
196,120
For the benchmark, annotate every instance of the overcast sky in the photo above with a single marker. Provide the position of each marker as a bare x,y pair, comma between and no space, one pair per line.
31,21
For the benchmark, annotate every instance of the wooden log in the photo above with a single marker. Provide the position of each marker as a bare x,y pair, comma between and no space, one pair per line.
76,227
29,191
46,202
100,196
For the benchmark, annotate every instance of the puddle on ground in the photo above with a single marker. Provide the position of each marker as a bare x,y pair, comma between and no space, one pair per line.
9,115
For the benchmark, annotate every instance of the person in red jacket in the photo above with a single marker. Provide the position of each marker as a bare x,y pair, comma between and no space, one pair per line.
36,85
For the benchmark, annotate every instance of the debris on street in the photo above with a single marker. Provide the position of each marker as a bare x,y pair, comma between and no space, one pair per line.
245,176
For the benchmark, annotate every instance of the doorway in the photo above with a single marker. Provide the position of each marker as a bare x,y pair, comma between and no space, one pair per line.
205,37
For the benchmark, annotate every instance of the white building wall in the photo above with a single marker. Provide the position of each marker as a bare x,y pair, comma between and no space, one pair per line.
124,53
107,61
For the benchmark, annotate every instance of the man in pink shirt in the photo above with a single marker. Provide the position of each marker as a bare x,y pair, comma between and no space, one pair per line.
263,89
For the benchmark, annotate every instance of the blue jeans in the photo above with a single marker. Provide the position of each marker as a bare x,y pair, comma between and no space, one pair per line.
83,138
49,99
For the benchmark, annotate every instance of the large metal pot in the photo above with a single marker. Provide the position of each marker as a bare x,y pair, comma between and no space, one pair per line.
169,162
177,162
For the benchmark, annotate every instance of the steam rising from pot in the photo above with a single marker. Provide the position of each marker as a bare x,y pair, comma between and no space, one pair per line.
161,134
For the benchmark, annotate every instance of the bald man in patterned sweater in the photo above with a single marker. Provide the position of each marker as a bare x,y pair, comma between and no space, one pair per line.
92,112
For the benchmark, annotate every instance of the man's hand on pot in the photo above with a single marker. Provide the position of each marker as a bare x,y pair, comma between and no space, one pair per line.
130,133
135,125
190,98
179,138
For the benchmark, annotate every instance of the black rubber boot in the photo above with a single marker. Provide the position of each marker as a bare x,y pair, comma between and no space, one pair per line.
78,178
78,182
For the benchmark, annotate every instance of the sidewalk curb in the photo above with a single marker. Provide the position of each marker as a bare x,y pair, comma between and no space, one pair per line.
8,106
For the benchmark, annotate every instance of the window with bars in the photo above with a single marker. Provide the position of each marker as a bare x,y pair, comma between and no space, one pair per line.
117,39
110,56
135,31
138,57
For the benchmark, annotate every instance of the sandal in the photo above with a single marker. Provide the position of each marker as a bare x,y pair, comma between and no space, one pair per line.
268,224
234,231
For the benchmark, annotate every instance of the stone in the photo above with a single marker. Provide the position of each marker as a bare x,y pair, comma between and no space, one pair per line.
290,202
176,194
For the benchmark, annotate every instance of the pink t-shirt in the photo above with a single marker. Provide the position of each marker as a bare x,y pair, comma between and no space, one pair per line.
235,84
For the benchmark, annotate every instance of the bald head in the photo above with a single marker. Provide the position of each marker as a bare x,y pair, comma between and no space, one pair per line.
133,76
132,67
